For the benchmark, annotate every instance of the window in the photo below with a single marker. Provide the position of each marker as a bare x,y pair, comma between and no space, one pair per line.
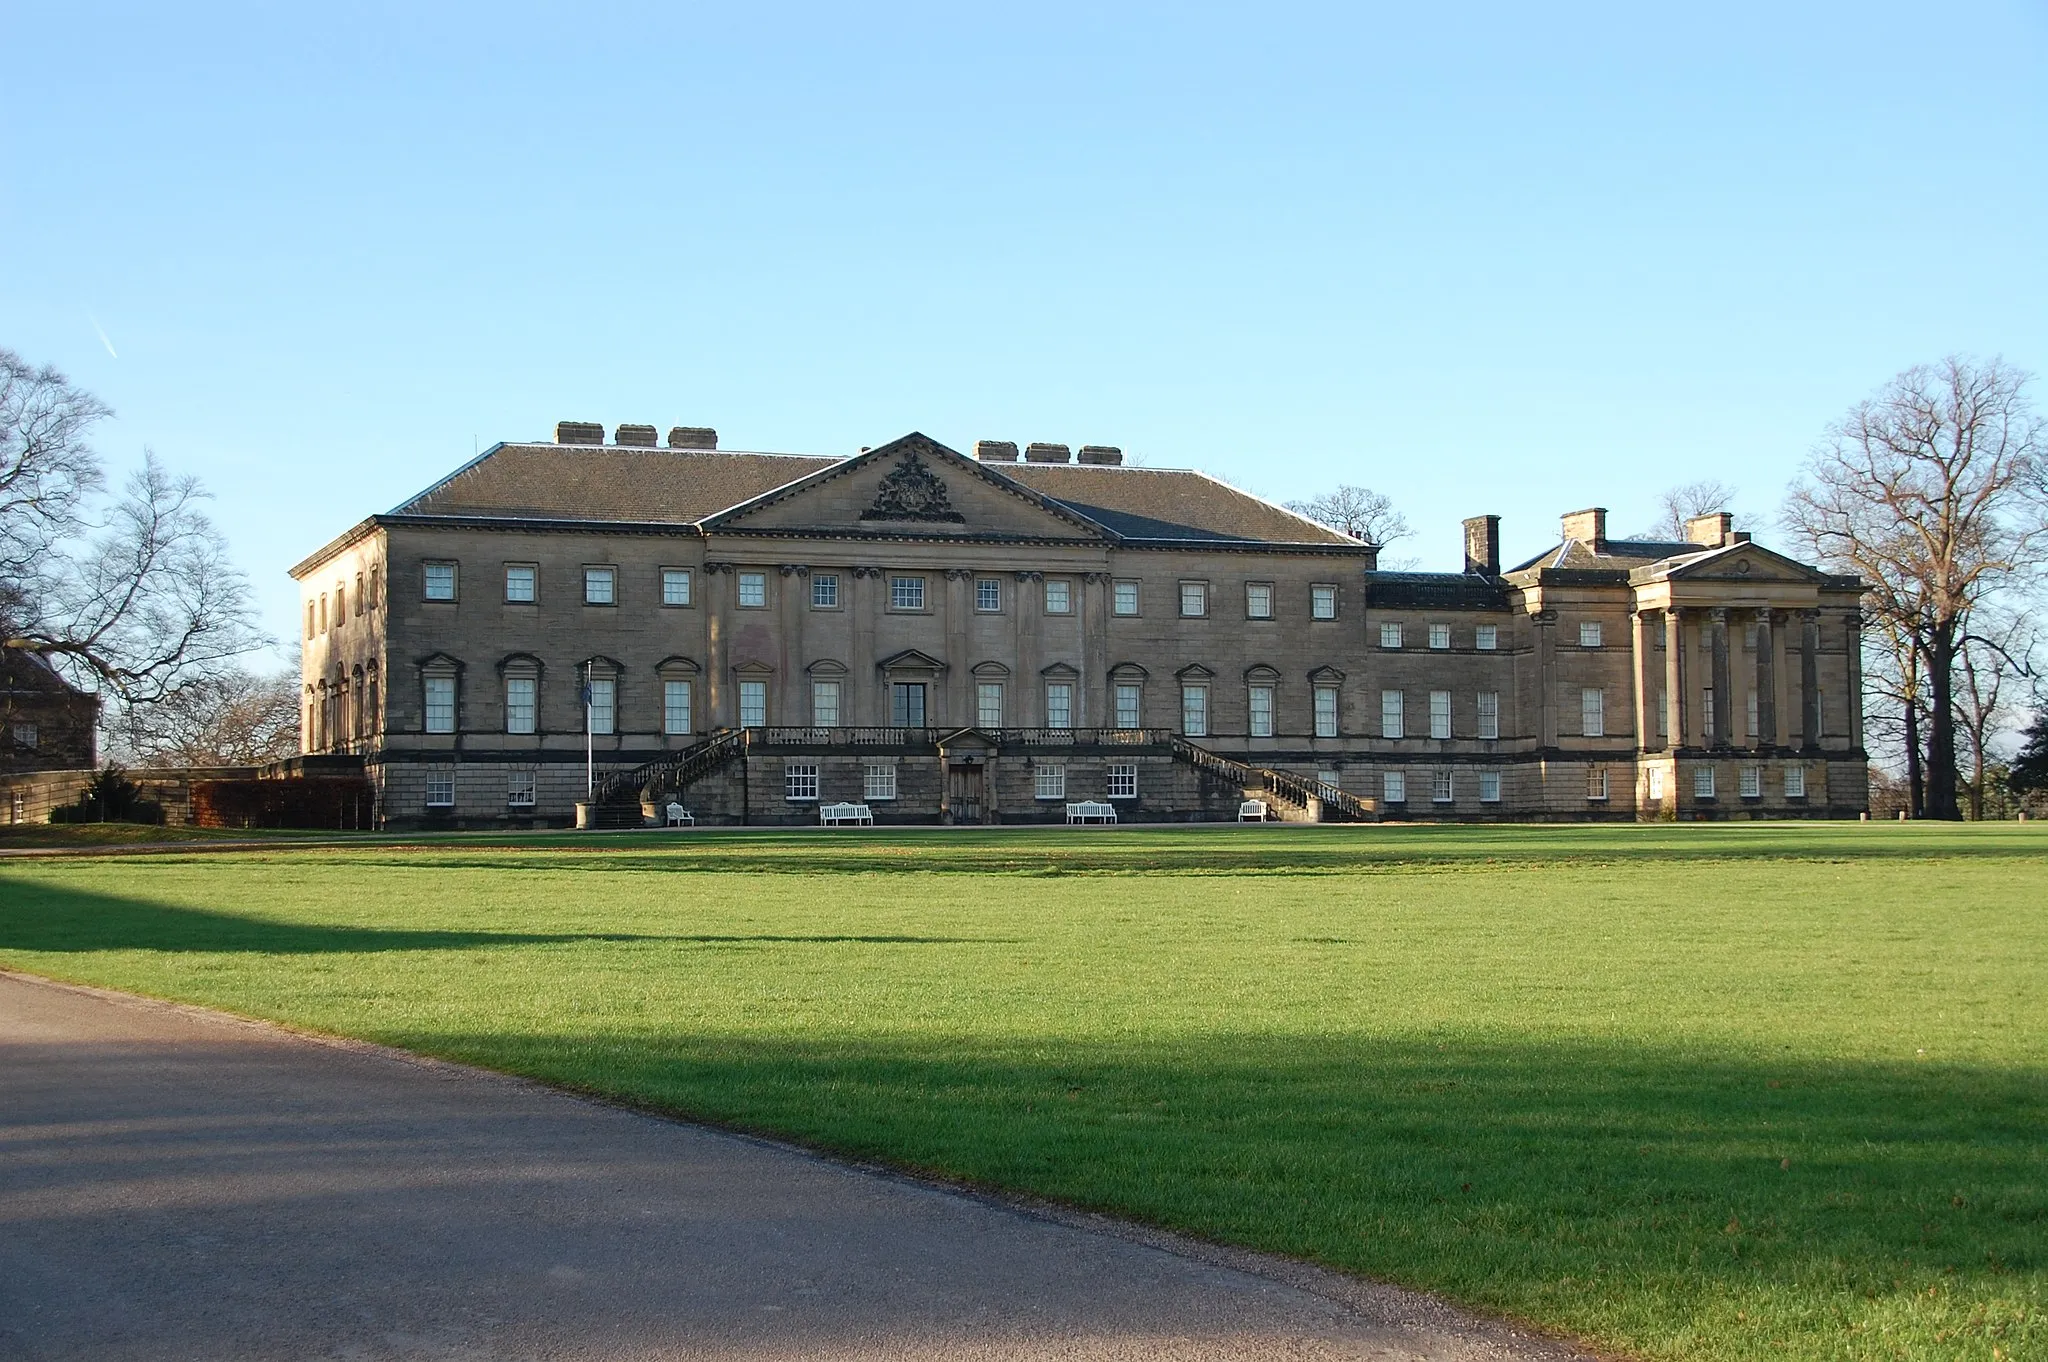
906,704
1489,787
1702,782
1489,714
1707,713
675,586
1752,782
1262,712
1326,711
1329,775
1059,598
1439,714
1059,705
1752,716
824,591
1656,783
522,583
602,708
906,593
1049,780
753,704
1486,638
1394,787
800,780
1392,723
1589,633
988,704
1442,786
878,780
323,612
825,704
27,735
519,788
1128,706
1795,782
440,787
519,704
440,581
1123,780
1390,636
1194,598
1124,598
600,586
1258,600
1593,712
1194,711
340,605
675,707
988,595
310,629
1596,783
1322,602
440,692
753,590
359,593
1439,636
370,601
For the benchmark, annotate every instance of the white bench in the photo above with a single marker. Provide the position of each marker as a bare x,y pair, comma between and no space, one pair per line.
841,815
1252,811
1091,811
680,817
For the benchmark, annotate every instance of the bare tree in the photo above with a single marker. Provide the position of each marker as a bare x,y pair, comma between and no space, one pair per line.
1680,504
1993,655
1932,492
131,595
229,718
1357,511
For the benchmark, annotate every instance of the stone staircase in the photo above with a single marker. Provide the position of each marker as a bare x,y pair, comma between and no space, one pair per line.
1291,798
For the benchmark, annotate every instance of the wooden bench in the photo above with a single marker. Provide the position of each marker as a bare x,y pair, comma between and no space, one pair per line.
1091,811
1252,811
844,815
680,817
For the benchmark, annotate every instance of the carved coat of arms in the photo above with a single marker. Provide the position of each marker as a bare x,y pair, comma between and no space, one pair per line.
911,491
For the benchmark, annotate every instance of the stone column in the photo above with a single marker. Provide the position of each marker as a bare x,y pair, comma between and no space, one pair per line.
1781,676
1646,721
792,606
956,710
1546,676
1026,700
1717,626
719,708
1674,679
863,684
1809,679
1766,681
1093,695
1852,633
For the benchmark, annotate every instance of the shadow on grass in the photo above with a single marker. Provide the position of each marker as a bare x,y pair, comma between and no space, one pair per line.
55,918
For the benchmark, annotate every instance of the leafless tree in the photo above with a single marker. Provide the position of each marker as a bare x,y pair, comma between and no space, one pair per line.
1357,511
1994,655
231,717
129,595
1680,504
1932,491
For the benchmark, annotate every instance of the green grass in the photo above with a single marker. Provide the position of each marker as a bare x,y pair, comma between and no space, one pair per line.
1759,1091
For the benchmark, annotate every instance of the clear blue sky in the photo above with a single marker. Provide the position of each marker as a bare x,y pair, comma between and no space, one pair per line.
1507,259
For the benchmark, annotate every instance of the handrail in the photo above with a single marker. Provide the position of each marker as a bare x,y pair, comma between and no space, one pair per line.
674,772
1337,805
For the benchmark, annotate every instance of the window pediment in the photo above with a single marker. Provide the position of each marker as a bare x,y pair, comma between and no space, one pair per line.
1060,671
1194,671
911,660
440,664
1262,675
826,666
751,668
520,664
675,668
1326,676
1128,672
990,671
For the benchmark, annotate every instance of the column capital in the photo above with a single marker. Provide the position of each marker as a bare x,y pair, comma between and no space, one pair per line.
956,574
795,570
1718,613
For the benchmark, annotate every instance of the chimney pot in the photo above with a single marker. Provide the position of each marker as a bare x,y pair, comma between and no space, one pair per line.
642,436
1047,453
996,451
1482,545
1589,527
692,437
578,433
1711,530
1101,454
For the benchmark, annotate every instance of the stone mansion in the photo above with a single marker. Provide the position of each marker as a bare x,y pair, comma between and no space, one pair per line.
945,638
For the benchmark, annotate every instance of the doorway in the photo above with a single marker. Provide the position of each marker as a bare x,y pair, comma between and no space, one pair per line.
906,704
964,801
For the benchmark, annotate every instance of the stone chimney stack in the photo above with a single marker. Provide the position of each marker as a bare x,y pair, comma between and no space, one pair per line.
996,451
1482,545
1044,453
578,433
1102,454
641,436
1589,527
1712,530
691,437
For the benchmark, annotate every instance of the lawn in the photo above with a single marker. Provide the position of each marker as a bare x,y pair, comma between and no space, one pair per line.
1720,1092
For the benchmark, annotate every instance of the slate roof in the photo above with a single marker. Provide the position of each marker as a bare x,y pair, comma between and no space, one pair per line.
1170,505
23,673
1435,591
608,483
1618,555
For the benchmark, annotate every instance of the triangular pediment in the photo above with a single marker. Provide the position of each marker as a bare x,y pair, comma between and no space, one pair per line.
913,488
1746,562
911,660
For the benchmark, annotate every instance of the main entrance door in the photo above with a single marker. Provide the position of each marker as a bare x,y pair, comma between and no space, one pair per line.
964,803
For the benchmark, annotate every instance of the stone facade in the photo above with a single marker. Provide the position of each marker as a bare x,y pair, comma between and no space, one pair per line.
975,623
45,724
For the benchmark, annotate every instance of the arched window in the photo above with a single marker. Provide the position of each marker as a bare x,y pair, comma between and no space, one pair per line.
373,726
